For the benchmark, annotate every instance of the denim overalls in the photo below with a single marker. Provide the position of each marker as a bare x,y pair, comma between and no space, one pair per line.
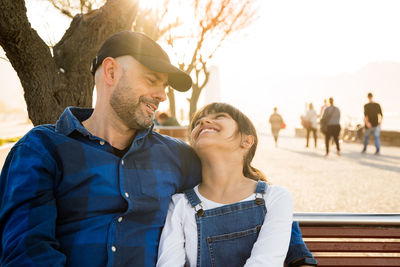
226,234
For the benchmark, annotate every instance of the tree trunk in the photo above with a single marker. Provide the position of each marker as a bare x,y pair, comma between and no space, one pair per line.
171,99
51,83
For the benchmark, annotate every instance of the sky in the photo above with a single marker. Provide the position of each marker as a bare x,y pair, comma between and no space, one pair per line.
295,41
276,60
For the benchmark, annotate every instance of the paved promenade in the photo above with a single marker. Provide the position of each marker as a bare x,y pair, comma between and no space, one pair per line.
353,182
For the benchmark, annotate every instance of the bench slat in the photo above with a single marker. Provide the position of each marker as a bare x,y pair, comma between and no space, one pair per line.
351,231
328,246
358,262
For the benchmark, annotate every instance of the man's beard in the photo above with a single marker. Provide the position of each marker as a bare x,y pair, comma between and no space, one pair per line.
128,108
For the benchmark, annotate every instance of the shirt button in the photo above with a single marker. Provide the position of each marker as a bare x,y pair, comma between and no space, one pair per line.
126,194
102,143
120,219
122,162
113,249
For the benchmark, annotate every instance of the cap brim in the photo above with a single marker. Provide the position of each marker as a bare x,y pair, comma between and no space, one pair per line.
177,79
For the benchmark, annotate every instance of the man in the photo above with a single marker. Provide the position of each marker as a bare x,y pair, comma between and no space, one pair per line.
94,189
276,124
373,118
332,117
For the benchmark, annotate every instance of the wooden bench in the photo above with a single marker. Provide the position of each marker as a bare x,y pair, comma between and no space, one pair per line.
180,132
338,239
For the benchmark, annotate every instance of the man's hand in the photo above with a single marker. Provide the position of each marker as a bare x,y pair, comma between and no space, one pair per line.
367,123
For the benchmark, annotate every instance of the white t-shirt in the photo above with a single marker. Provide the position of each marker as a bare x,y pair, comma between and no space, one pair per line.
178,242
312,116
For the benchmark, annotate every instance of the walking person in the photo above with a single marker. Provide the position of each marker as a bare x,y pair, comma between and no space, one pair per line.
93,189
311,116
276,124
373,118
323,107
332,117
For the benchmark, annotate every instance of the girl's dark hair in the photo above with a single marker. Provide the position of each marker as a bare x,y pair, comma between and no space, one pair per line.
245,126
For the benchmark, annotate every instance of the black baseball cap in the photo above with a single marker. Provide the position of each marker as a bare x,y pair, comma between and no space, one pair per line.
147,52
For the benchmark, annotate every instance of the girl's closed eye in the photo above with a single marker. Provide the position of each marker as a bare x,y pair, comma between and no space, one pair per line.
221,115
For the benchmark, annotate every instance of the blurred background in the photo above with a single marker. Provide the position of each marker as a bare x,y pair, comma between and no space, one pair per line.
257,55
290,53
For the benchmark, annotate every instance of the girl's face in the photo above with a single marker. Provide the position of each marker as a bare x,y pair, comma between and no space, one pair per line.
215,129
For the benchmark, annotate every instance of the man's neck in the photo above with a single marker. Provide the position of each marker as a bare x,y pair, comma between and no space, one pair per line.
107,126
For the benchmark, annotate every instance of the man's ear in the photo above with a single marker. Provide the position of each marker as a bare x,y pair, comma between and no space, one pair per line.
110,67
247,141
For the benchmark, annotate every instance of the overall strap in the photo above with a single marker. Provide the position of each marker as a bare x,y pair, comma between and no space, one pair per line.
261,187
260,192
194,201
192,197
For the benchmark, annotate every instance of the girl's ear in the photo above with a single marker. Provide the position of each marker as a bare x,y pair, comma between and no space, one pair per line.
247,141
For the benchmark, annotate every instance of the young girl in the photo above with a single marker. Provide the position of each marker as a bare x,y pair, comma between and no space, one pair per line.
233,218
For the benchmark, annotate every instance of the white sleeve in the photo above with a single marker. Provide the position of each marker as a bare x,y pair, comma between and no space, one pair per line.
273,241
171,251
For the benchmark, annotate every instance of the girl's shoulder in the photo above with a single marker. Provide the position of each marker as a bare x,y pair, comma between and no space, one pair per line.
180,207
277,193
276,189
179,200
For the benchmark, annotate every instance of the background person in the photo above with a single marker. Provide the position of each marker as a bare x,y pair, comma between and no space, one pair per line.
165,120
373,118
311,116
332,116
323,107
276,123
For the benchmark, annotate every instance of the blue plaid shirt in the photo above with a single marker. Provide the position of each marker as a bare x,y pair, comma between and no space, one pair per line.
66,199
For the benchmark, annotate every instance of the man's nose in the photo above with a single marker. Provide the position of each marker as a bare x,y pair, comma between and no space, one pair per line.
160,94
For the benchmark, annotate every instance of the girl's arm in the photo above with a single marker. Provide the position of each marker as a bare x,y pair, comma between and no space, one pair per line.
171,250
273,241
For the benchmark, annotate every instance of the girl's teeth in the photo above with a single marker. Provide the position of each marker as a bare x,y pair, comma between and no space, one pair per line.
207,130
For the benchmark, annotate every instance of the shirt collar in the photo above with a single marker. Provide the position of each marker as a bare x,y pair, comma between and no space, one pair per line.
71,120
72,117
143,133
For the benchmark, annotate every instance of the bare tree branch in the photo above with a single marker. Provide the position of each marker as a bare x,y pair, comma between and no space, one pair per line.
64,11
74,7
